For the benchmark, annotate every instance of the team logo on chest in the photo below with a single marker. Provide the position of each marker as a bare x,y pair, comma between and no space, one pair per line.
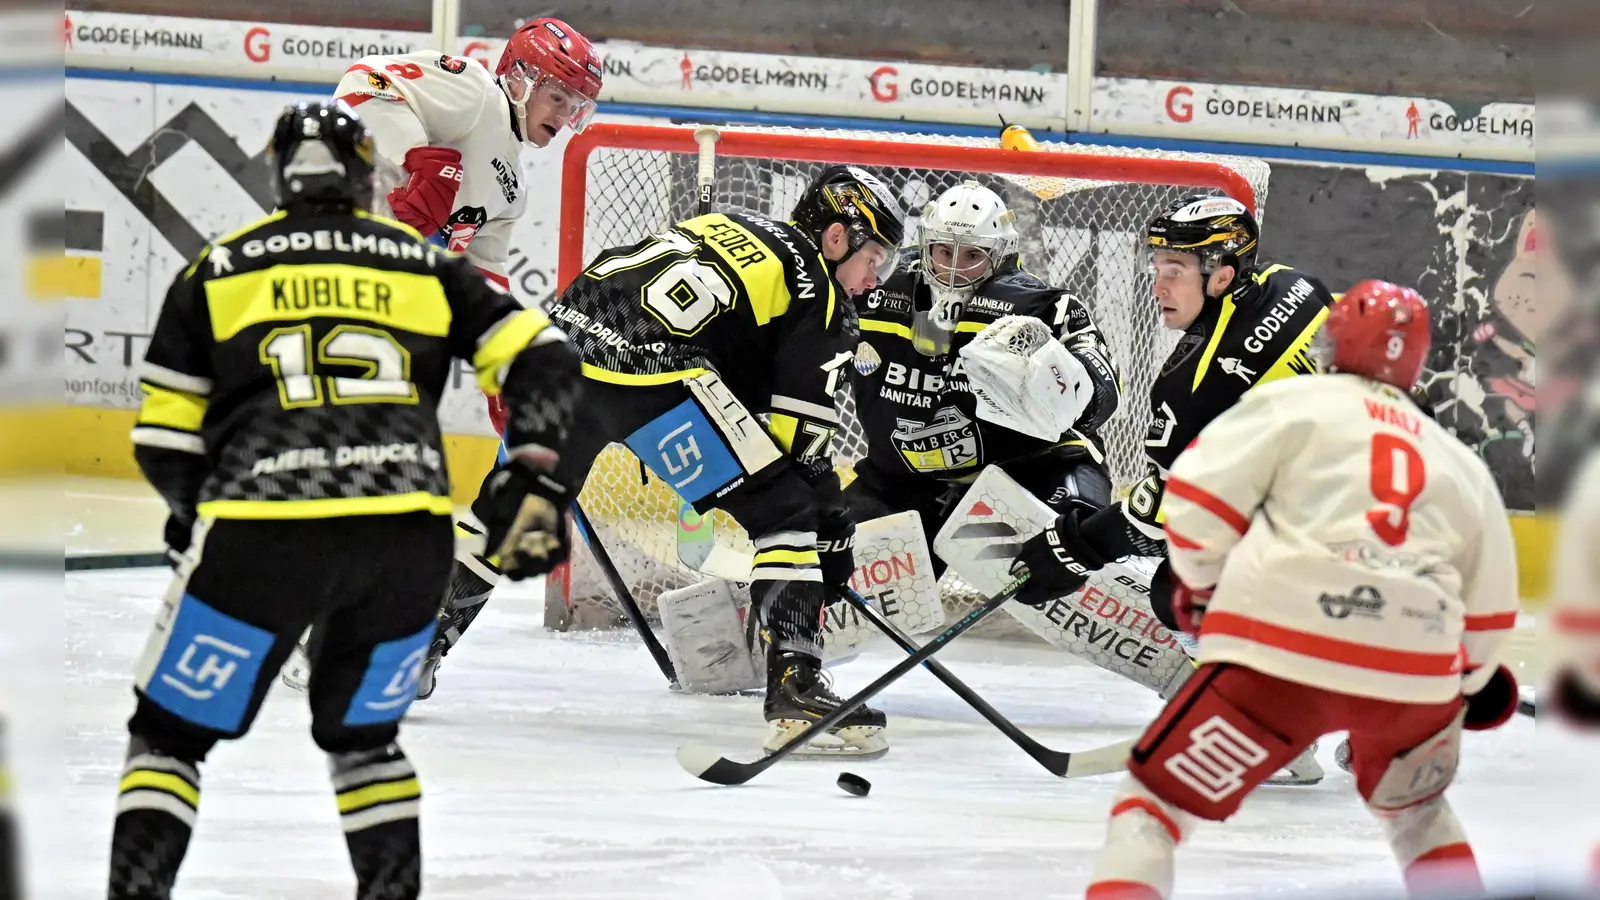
1187,345
462,227
867,358
948,442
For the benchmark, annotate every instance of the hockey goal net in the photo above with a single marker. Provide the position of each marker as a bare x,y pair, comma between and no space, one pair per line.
1081,211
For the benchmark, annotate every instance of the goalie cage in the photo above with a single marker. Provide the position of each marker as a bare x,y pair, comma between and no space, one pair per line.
1080,210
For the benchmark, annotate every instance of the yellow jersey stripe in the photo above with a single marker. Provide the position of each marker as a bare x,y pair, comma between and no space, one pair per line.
166,408
397,300
165,782
373,794
511,338
1294,360
327,507
793,557
395,223
1204,365
886,327
783,427
625,378
230,236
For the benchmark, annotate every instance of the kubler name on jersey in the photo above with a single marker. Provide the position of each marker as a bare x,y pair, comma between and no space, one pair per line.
358,455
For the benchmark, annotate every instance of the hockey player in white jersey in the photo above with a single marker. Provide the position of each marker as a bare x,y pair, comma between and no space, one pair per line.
1575,685
1348,566
455,132
449,137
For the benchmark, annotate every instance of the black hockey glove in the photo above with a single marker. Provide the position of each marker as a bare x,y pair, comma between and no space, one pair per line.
1495,704
177,533
836,545
1059,559
524,515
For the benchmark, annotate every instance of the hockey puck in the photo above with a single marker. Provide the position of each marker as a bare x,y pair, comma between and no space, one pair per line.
854,785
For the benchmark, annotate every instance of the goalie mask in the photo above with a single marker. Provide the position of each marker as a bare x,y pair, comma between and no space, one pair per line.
964,236
1221,231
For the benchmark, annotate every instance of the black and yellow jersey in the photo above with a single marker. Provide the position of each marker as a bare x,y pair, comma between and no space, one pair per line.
296,368
920,415
743,296
1257,334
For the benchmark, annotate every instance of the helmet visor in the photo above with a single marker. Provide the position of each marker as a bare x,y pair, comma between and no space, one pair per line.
542,97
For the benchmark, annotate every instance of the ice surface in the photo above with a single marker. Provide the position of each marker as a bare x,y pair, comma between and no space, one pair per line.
548,770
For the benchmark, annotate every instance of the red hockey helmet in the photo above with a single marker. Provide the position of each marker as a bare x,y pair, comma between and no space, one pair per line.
550,54
1380,331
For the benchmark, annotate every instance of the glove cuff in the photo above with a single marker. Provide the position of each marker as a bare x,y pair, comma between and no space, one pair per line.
1495,704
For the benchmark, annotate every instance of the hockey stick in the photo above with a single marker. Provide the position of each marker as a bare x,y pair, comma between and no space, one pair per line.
706,764
706,137
629,606
1099,761
1527,705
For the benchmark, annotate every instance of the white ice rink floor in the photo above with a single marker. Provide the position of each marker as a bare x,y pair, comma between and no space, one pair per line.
548,771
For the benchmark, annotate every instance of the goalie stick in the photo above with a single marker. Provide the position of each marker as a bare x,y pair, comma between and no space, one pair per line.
706,764
1099,761
629,606
706,138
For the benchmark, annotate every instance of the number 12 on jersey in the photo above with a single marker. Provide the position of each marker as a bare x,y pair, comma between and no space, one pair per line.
387,380
1398,477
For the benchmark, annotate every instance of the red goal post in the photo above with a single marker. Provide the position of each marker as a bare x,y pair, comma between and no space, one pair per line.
1080,208
865,151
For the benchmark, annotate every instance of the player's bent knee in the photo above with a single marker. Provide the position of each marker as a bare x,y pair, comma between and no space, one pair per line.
346,719
1204,755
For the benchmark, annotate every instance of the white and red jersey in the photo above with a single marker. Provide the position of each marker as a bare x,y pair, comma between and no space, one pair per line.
431,99
1355,545
1576,610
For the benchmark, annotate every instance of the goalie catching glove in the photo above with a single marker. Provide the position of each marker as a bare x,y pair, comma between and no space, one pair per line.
1025,380
524,514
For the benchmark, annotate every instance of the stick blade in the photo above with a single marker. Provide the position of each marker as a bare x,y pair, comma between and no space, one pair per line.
707,764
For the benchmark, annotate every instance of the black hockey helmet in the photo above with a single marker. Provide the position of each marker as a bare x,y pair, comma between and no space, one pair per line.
322,157
1221,231
855,197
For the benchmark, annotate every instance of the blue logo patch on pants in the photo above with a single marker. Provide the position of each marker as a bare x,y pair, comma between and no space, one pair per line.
208,667
390,682
686,451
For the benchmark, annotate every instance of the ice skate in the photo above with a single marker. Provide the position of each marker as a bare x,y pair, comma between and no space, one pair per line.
1302,770
798,694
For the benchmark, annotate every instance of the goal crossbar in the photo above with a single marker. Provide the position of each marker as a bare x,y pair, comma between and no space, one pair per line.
866,152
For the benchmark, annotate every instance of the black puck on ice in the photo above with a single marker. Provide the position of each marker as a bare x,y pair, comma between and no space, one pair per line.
854,784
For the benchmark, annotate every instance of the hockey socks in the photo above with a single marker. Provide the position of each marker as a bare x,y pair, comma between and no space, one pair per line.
379,800
157,803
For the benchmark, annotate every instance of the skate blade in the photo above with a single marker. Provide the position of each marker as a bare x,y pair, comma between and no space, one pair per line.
850,742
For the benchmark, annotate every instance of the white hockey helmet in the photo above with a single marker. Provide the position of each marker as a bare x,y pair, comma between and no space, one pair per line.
968,215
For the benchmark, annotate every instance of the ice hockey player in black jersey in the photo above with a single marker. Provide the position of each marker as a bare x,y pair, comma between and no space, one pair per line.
289,420
1243,324
962,291
686,337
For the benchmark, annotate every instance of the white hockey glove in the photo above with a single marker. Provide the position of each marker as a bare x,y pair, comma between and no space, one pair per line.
1025,379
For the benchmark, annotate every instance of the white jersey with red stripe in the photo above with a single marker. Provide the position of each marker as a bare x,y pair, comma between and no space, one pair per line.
431,99
1576,607
1354,544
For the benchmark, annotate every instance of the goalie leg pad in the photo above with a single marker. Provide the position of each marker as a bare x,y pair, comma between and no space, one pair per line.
1109,622
705,639
894,572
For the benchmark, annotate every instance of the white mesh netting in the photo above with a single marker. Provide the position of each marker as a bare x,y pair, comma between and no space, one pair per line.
1082,235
